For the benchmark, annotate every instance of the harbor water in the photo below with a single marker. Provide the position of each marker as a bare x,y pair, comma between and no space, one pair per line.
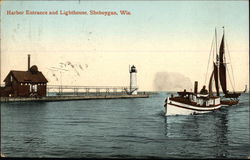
122,128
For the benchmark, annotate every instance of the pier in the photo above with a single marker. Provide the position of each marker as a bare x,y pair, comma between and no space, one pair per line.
69,93
68,98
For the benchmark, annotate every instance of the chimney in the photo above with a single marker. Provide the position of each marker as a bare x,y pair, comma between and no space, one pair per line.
28,62
196,87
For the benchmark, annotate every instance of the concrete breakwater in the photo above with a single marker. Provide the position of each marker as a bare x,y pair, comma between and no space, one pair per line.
68,98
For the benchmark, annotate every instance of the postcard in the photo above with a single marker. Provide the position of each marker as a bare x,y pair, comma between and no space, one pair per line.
125,79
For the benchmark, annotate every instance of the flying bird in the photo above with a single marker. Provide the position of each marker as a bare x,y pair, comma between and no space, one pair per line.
80,66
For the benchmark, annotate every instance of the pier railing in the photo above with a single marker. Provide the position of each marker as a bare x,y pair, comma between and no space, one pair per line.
60,90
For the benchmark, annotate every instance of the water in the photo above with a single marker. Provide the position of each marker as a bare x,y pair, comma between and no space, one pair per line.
130,128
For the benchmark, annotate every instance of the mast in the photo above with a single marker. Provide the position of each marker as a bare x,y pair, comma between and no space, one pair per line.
216,67
215,73
222,66
216,51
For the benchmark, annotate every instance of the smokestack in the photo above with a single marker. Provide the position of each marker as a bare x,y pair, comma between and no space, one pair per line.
196,87
28,62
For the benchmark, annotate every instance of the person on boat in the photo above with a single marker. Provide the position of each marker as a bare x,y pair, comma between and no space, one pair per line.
204,90
183,94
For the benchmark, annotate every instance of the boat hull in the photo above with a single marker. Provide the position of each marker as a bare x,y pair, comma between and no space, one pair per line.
176,108
226,103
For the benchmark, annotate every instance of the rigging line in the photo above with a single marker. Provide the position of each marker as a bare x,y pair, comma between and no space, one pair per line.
230,79
230,63
209,60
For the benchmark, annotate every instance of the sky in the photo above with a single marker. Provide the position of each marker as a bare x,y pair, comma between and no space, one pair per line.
168,41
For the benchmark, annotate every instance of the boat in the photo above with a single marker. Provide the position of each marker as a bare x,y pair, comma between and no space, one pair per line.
207,100
186,103
219,73
190,103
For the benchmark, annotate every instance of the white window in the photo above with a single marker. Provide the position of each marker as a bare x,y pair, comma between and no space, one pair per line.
35,88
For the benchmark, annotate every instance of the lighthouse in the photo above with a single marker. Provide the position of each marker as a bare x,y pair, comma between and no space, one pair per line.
133,80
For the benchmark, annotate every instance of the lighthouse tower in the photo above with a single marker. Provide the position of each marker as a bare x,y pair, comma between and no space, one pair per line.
133,80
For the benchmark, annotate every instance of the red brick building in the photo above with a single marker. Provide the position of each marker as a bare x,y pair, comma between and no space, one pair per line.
31,83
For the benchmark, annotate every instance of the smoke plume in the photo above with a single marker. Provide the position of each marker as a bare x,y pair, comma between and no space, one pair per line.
171,81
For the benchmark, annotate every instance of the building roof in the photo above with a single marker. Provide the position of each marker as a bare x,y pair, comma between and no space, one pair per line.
28,76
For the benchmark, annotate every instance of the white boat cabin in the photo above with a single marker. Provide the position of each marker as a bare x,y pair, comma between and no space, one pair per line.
201,99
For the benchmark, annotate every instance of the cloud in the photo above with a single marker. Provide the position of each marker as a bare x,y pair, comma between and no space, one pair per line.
171,81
